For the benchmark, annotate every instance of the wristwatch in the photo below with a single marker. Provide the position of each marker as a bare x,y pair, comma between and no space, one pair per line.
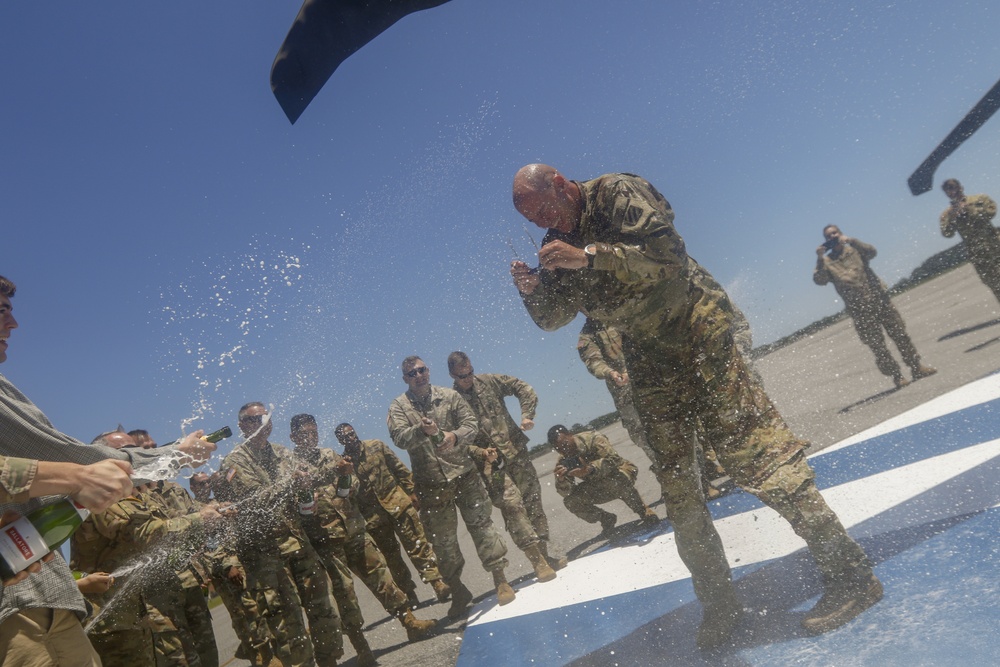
591,252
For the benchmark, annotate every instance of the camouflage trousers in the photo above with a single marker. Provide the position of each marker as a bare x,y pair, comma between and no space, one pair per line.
706,389
384,528
505,495
625,404
285,586
438,503
869,321
587,494
522,471
124,648
244,616
987,266
362,557
181,625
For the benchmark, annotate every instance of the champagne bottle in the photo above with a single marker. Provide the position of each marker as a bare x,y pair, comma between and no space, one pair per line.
307,502
344,486
214,436
29,538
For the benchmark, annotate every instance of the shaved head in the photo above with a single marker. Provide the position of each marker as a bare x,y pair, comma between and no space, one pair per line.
547,198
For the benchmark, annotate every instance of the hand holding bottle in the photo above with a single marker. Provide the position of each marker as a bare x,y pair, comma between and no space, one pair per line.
10,517
197,448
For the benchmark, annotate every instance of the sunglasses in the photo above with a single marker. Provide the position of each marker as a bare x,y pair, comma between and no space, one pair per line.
463,377
416,371
253,419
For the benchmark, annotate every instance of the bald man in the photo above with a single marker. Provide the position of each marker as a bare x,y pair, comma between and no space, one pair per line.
612,252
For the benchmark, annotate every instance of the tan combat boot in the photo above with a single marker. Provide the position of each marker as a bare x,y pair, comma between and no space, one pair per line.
842,601
365,656
922,371
416,629
505,594
543,571
441,589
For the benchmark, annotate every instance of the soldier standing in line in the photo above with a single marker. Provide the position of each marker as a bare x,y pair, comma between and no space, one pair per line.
229,581
501,453
123,535
612,251
590,472
282,568
388,500
336,529
972,218
867,302
435,425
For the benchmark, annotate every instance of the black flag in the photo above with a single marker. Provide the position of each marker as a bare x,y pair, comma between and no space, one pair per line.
324,34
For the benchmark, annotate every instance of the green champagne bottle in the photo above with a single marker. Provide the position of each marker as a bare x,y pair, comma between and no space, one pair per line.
29,538
214,436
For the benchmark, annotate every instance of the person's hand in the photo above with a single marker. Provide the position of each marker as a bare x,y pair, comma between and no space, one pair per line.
196,448
235,575
527,424
620,379
560,471
95,583
820,251
345,467
9,517
561,255
301,479
428,426
415,499
491,454
846,239
449,441
582,471
100,485
210,515
227,510
525,278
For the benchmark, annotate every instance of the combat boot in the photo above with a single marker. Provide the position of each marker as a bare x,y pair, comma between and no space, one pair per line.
441,589
842,601
922,371
416,629
900,381
365,656
649,518
412,598
608,521
505,594
555,562
543,571
718,622
461,598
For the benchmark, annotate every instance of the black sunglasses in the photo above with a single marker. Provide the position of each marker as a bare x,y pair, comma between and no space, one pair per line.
416,371
463,377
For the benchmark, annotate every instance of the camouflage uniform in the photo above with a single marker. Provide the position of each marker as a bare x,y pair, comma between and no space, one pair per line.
600,350
16,476
446,479
516,490
975,226
182,624
278,557
688,375
385,489
123,535
337,530
612,478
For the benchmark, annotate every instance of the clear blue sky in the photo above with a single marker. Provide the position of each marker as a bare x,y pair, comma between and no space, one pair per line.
180,248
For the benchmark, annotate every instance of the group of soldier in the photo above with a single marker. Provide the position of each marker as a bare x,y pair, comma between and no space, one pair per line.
845,262
280,533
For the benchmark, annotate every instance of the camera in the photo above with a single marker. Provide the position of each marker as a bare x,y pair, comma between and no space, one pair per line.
830,244
572,462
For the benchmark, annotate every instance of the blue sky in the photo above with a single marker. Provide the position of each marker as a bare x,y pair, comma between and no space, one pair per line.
180,248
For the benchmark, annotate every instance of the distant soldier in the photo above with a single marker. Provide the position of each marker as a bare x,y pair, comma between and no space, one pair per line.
972,218
500,450
283,569
388,500
590,472
867,302
435,425
336,529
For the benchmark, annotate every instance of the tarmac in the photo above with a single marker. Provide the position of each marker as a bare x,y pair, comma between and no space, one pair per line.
911,472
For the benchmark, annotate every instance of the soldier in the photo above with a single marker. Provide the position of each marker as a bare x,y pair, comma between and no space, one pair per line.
501,443
187,618
590,472
336,529
142,438
388,500
229,581
435,425
972,218
271,544
867,302
128,534
613,252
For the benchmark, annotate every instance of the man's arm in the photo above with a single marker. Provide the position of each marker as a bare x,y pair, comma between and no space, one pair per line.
549,303
525,393
94,486
403,475
466,424
404,435
591,354
866,250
